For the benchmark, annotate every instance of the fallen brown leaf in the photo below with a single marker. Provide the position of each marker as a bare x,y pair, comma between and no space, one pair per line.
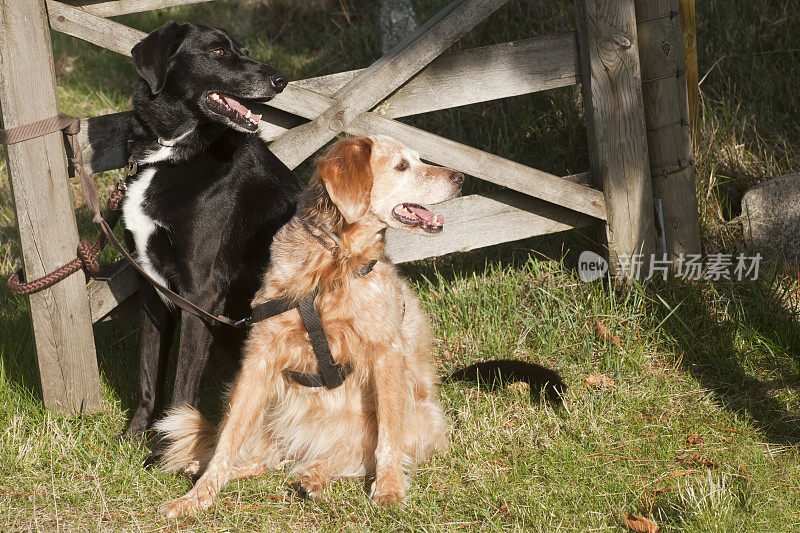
695,440
604,333
520,386
640,523
597,382
695,459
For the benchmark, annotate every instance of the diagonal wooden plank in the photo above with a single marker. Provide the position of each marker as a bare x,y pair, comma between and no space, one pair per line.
381,78
113,8
486,166
483,165
96,30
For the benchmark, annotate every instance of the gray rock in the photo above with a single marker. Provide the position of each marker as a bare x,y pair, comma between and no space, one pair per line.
771,217
397,21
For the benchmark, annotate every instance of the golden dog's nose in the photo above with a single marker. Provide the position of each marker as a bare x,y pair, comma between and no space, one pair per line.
457,178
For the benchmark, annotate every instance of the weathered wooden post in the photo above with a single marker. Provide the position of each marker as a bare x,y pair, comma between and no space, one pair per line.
612,93
689,31
668,120
61,319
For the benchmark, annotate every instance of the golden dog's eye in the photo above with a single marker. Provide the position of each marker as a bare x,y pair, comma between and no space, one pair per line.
219,52
402,165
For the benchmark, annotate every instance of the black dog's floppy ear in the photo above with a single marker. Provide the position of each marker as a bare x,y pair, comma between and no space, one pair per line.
151,54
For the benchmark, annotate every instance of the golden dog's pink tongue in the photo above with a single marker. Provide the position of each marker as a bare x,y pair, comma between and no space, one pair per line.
425,215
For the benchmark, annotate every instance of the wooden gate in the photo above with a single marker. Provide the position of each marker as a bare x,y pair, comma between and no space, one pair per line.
415,77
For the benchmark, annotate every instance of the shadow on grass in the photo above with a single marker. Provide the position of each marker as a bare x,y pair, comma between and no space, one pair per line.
16,343
738,340
115,343
117,347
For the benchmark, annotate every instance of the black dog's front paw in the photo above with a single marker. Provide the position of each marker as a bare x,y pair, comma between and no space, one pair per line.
138,428
151,459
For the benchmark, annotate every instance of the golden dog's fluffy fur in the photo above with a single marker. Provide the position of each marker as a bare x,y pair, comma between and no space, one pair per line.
386,415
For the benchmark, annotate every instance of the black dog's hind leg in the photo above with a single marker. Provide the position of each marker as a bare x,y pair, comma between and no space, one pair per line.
157,324
193,355
195,347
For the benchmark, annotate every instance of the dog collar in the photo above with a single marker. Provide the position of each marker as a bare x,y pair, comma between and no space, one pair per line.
366,268
336,249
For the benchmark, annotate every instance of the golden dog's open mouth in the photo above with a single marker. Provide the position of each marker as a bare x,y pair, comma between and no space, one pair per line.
416,215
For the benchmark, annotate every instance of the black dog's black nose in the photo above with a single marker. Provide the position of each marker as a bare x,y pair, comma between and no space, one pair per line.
457,178
278,81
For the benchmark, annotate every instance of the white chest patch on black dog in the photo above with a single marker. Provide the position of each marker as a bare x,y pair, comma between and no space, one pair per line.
137,221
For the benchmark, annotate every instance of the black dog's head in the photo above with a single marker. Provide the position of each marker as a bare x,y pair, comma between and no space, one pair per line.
207,70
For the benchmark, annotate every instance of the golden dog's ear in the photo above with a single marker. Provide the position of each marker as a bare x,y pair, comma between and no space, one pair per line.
347,174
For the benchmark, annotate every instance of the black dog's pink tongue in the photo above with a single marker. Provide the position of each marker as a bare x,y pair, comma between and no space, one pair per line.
239,108
425,215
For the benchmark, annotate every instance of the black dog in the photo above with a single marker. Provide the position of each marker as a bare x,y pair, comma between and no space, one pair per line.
206,200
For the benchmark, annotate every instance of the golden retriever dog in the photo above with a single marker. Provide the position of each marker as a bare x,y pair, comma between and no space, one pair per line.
386,416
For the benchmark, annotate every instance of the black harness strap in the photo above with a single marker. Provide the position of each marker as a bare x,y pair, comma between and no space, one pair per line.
268,309
331,375
316,380
328,369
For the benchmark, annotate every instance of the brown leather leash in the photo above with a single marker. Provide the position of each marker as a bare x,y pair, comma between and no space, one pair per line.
87,252
331,374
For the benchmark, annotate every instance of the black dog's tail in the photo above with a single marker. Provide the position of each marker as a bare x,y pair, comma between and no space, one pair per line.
499,373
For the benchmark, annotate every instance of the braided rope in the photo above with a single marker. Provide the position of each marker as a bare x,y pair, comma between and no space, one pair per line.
87,252
87,256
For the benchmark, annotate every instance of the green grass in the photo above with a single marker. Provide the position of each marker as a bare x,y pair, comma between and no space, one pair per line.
717,360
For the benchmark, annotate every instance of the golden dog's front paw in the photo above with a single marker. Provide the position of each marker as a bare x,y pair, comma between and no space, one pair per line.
389,498
190,503
388,493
